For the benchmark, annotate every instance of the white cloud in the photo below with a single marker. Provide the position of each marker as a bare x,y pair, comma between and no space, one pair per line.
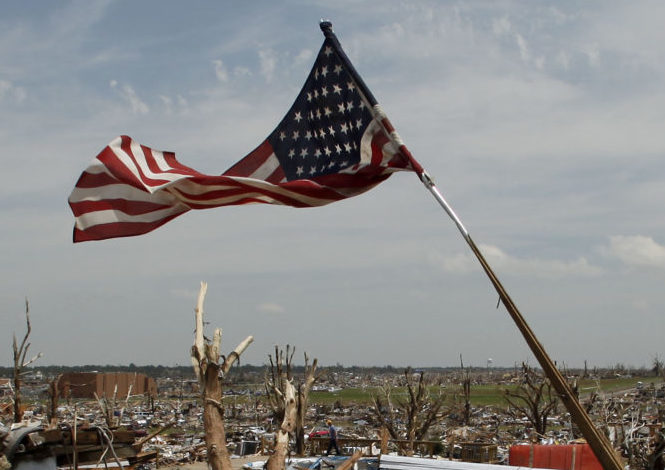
240,71
501,25
305,56
505,263
524,49
636,250
189,294
128,94
592,52
268,307
268,63
10,91
220,71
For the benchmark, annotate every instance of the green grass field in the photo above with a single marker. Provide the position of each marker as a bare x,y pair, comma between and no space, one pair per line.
481,395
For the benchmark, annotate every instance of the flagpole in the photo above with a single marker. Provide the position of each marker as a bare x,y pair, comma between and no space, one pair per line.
597,441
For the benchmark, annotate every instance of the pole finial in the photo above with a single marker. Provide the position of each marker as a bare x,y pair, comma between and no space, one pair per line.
326,26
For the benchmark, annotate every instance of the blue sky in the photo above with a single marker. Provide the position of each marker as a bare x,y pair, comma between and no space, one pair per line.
541,122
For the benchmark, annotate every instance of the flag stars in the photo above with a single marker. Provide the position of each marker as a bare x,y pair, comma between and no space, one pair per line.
324,71
327,111
350,86
322,133
312,170
338,149
296,135
340,108
327,51
347,147
327,151
299,171
282,136
317,153
298,117
336,89
344,128
324,91
292,153
304,153
308,135
349,106
331,131
331,164
338,69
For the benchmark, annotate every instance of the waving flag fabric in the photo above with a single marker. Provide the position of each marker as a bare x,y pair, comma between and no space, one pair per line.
333,143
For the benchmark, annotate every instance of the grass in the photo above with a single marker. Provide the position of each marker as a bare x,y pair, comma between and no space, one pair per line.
481,395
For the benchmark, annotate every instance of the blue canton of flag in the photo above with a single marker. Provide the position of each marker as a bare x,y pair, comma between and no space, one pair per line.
321,132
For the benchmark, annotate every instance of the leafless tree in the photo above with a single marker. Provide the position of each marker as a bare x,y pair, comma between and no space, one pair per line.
278,374
20,352
657,366
205,358
418,412
534,399
466,393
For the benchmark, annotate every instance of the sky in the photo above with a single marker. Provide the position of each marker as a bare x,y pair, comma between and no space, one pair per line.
542,124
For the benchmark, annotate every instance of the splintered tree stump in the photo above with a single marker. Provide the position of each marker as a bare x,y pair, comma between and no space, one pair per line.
205,360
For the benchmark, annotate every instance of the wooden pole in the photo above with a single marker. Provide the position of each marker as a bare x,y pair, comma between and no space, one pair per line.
597,441
600,445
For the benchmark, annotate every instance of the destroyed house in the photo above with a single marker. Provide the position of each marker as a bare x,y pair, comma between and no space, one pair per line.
105,385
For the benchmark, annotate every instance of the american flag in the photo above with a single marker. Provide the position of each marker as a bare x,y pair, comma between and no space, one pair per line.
334,143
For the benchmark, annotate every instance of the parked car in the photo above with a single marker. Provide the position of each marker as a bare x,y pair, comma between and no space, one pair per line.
318,432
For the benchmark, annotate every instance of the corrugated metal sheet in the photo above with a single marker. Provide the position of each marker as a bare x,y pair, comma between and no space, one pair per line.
395,462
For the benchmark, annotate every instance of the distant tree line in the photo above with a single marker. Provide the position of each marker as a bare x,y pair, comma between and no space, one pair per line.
247,373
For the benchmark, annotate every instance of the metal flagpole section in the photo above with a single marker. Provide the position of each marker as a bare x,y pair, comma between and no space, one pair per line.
597,441
429,184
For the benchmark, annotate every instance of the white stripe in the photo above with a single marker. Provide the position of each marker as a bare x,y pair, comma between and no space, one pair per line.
366,143
120,191
187,187
266,169
142,164
86,221
160,161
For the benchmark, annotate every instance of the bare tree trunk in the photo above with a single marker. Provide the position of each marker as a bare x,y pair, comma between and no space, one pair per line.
277,460
20,364
276,378
53,403
205,360
303,397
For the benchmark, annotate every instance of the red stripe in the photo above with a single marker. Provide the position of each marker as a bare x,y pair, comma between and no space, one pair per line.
123,205
276,176
297,188
378,141
415,166
95,180
252,161
387,125
126,146
118,169
118,229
